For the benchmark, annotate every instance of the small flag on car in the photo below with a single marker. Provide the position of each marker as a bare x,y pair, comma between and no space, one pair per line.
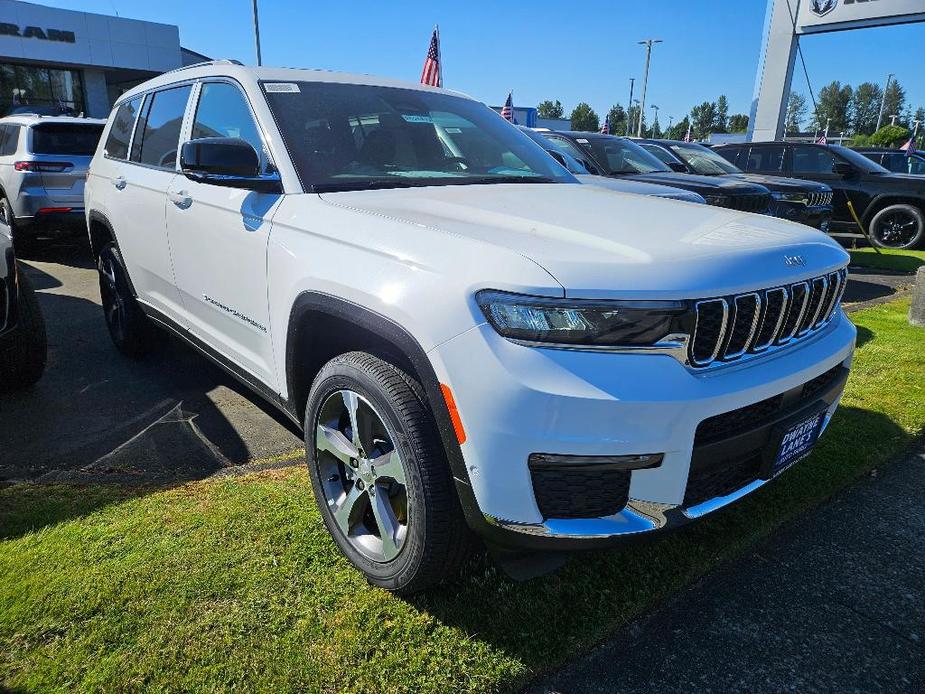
605,129
507,111
822,140
909,147
687,136
432,73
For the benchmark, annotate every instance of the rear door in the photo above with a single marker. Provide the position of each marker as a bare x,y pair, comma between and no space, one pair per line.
64,151
218,239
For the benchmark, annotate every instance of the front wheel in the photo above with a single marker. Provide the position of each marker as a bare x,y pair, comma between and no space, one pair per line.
898,226
380,475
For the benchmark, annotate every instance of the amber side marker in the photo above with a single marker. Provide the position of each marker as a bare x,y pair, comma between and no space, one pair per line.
454,413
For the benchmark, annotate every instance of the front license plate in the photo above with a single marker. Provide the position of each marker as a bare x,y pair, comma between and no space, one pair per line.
798,441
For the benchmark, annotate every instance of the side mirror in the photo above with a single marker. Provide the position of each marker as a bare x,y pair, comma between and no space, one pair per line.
843,169
677,166
226,161
558,157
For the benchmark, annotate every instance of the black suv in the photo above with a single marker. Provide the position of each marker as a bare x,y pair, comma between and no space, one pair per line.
806,202
896,160
607,155
889,205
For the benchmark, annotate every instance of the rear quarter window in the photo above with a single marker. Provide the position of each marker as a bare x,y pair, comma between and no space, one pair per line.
66,138
121,131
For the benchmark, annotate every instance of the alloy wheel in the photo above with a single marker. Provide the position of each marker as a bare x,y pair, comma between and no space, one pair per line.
362,475
896,230
113,302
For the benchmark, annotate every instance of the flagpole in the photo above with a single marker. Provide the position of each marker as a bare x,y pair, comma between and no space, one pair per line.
439,54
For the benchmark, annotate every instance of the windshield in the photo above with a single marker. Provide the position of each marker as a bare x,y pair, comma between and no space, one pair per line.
571,163
704,160
354,137
621,156
859,160
66,138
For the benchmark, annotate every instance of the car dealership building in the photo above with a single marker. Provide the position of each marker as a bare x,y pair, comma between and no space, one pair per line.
77,61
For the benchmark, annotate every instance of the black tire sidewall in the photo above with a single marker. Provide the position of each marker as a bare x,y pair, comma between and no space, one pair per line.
342,375
913,211
24,352
140,337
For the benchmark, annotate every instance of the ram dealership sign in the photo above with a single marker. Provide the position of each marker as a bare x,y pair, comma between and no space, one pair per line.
7,29
832,15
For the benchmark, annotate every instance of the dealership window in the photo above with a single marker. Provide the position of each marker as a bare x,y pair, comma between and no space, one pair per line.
31,88
158,133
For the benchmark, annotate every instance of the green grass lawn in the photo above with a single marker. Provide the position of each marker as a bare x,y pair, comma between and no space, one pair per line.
887,259
234,584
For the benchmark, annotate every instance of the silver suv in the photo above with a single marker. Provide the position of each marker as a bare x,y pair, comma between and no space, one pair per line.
43,166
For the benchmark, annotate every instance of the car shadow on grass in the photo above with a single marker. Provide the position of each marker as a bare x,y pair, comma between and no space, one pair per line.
541,622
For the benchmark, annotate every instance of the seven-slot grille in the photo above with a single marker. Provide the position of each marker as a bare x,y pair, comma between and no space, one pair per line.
818,199
730,327
750,203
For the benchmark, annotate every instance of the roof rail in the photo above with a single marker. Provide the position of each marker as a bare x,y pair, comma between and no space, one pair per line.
220,61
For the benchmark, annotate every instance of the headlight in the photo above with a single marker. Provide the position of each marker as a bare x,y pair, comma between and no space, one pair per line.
799,198
582,322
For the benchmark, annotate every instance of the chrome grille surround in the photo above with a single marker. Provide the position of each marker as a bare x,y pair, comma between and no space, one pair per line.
795,311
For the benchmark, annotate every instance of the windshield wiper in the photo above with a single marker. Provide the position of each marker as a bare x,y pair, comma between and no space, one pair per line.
504,179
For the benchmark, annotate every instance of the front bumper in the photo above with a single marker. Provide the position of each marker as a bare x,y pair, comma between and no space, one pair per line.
817,217
520,401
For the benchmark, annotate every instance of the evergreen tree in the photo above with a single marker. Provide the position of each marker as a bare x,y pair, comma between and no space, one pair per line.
865,105
796,112
584,118
550,109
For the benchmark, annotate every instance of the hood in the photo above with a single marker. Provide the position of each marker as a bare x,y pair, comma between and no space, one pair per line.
705,185
780,183
600,243
639,188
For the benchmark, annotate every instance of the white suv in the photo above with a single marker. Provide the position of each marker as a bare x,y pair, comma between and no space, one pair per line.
470,339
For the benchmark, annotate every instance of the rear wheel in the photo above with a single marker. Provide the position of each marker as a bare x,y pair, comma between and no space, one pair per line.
24,244
131,331
23,353
898,226
380,475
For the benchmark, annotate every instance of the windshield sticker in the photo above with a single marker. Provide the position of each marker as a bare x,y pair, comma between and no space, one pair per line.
416,118
453,131
582,140
281,87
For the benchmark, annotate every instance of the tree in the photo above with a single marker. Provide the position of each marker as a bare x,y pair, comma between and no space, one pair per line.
550,109
890,136
833,107
703,118
796,113
865,105
894,101
679,129
617,118
721,123
584,118
738,123
656,131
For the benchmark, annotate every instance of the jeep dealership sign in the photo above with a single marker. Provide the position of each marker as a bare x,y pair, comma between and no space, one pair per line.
833,15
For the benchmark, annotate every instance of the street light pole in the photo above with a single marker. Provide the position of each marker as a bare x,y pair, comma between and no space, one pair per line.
629,108
893,119
257,34
648,43
883,101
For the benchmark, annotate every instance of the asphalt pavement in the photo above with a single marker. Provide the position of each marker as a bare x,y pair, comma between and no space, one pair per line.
834,603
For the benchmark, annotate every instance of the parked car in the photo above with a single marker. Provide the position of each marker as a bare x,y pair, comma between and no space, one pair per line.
889,205
580,172
806,202
43,166
896,160
619,157
470,339
23,345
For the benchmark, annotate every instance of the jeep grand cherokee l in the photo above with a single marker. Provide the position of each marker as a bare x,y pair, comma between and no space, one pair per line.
806,202
469,339
889,205
621,158
43,166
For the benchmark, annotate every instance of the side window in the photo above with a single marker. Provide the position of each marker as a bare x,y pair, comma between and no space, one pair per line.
732,155
121,131
765,159
158,132
569,147
224,112
4,139
812,160
660,154
10,142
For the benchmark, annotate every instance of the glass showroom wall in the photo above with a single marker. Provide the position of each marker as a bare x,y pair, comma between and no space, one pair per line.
46,90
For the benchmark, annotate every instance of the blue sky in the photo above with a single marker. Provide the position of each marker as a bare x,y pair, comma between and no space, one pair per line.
537,49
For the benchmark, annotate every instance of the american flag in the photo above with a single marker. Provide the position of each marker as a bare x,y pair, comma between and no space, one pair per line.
507,111
909,147
687,136
822,140
431,74
605,129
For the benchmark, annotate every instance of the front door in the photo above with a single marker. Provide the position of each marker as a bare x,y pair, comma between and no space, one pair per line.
218,240
816,163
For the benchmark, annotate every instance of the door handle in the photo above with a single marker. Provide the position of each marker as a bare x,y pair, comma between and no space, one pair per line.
181,199
119,182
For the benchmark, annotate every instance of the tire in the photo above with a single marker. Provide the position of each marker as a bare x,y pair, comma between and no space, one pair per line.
132,332
24,351
898,227
434,539
23,244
